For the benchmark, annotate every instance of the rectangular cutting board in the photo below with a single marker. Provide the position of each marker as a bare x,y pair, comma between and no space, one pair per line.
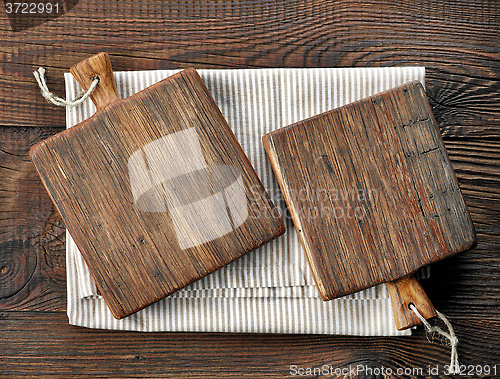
154,189
372,194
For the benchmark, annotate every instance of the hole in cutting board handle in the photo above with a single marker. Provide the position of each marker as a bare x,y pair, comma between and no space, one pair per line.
98,65
404,292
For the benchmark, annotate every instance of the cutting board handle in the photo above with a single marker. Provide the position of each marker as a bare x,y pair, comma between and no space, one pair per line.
406,291
97,65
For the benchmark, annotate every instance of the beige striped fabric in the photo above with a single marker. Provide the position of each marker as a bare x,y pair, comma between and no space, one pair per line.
270,290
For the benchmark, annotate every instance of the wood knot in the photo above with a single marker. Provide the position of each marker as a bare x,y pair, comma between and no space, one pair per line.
17,264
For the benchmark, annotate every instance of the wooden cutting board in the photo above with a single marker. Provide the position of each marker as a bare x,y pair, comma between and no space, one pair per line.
154,189
373,196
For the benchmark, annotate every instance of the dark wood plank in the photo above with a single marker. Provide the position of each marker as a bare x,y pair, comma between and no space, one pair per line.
460,50
466,285
382,163
32,234
155,189
56,348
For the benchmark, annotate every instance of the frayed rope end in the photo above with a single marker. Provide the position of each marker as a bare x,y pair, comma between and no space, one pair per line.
454,368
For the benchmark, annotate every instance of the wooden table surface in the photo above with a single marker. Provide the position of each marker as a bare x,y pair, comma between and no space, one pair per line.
457,41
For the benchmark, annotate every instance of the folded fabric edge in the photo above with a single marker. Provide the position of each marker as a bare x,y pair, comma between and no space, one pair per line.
244,315
305,292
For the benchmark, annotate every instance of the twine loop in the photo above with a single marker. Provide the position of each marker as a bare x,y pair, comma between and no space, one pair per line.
454,368
82,96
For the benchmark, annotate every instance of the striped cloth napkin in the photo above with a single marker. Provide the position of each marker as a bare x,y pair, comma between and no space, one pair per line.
270,290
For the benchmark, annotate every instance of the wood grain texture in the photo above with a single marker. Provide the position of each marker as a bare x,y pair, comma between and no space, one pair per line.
458,43
371,191
66,351
155,190
405,292
373,196
99,66
460,51
32,234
